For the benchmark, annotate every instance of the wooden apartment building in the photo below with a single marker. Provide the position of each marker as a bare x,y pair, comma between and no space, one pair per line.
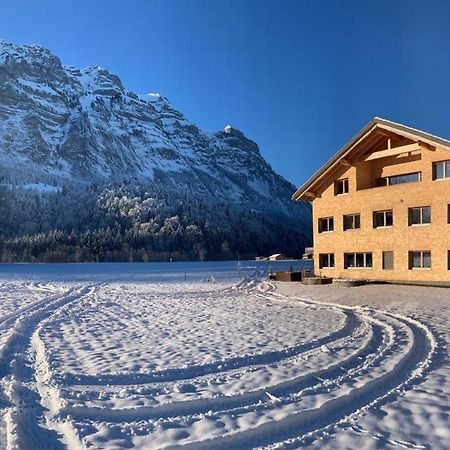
381,206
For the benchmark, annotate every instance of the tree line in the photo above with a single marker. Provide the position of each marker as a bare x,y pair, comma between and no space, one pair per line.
123,222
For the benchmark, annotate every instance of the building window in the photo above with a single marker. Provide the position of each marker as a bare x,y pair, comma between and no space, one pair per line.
441,170
448,213
357,260
387,260
352,221
413,177
341,187
419,216
419,260
383,218
448,260
326,224
326,260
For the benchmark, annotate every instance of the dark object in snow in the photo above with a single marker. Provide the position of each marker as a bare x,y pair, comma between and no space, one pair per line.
288,276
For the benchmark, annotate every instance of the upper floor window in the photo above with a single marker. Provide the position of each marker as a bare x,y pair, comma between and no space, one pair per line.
441,170
352,221
357,260
383,218
326,260
413,177
326,224
420,260
341,187
448,213
419,216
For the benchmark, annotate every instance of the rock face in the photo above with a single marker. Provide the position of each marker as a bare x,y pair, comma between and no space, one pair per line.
61,126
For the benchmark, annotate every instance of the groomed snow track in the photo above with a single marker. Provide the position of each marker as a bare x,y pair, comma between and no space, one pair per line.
348,403
23,408
372,358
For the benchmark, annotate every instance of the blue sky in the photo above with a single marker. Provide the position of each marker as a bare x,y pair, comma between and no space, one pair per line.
298,77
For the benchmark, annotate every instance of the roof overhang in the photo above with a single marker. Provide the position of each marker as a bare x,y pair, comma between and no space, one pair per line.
308,192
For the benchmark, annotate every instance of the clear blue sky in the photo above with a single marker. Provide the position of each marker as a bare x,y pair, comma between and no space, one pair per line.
299,77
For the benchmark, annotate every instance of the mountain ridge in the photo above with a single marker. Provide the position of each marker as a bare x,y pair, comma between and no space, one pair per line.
63,129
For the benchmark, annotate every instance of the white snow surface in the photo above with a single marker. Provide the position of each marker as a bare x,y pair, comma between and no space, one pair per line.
112,361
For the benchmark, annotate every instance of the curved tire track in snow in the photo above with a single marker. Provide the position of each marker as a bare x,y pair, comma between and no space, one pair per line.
244,400
373,350
189,372
24,411
396,354
7,320
363,395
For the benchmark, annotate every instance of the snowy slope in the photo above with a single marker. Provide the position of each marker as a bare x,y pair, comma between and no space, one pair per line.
66,133
64,123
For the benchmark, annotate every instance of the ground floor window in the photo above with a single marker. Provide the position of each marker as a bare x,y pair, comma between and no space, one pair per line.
357,260
420,259
387,260
326,260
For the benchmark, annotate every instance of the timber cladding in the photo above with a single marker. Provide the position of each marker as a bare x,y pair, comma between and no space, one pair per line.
392,221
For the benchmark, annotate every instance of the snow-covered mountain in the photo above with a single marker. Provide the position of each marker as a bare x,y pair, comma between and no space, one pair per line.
62,127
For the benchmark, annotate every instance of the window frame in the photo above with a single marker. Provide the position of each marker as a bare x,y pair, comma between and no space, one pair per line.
366,257
384,212
330,261
421,254
355,222
421,221
387,181
344,182
445,169
326,220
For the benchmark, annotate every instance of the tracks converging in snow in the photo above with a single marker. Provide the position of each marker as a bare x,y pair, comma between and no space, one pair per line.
270,397
24,413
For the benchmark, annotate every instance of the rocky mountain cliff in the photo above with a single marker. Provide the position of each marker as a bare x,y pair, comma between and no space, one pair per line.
79,153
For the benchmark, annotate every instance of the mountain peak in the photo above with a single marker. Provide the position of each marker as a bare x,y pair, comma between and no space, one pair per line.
99,80
154,97
30,53
234,135
84,143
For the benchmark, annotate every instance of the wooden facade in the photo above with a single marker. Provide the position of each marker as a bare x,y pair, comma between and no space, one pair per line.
381,207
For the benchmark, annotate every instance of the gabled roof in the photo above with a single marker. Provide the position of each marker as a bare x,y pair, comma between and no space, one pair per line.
376,125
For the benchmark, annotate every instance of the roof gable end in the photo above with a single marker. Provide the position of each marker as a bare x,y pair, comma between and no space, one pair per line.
379,138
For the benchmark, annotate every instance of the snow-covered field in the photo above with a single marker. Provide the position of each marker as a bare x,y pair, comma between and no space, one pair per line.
110,359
